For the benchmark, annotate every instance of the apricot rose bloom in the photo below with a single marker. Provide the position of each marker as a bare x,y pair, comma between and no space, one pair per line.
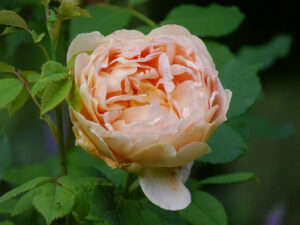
150,103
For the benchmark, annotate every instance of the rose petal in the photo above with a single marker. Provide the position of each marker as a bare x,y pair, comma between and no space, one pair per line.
163,187
81,62
165,155
126,34
94,132
165,71
184,171
84,42
120,144
170,29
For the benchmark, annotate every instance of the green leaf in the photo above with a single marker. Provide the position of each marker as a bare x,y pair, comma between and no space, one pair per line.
116,176
266,54
24,187
37,38
39,86
9,90
167,217
55,77
105,20
130,212
8,206
226,144
25,203
13,41
244,83
55,93
18,102
53,202
6,223
74,98
148,217
204,209
82,205
5,155
52,67
213,20
103,207
71,62
28,73
79,184
253,124
229,178
71,10
220,53
6,68
138,213
11,18
8,30
83,187
20,175
32,78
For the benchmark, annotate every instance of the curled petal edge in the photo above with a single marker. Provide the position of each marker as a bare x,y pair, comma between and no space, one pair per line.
164,187
84,42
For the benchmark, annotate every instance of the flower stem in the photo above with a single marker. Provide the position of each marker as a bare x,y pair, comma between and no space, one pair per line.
61,147
133,12
125,186
44,51
45,116
134,186
142,17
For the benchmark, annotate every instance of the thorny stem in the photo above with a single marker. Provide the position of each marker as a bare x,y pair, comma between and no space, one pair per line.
45,116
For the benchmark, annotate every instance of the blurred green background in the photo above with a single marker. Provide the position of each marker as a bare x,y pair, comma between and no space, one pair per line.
274,158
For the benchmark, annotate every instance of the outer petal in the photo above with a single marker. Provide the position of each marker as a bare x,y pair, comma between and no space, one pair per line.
125,34
164,155
83,141
170,29
184,171
120,144
225,99
203,51
84,42
93,131
163,187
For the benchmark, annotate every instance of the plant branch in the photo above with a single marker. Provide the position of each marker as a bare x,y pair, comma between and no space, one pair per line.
134,186
45,117
142,17
125,186
61,147
133,12
39,45
44,51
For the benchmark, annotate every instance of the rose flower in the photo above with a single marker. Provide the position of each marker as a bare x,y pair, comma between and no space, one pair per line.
149,105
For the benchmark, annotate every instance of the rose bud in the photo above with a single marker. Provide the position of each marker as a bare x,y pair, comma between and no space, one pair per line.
149,105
